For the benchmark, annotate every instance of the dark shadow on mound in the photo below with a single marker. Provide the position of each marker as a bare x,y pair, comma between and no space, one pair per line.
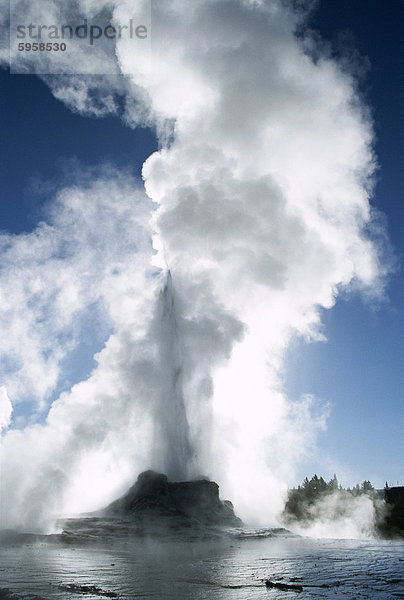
185,503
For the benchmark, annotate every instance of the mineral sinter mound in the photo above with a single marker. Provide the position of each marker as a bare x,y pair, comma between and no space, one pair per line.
154,498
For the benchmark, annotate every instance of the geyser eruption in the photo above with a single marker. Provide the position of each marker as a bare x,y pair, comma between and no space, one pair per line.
259,199
172,444
191,335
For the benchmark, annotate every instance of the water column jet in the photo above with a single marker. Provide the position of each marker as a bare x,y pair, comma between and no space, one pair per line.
172,448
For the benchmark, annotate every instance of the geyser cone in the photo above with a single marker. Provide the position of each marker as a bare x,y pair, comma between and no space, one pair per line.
153,498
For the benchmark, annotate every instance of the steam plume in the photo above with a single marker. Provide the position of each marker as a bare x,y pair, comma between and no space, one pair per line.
261,209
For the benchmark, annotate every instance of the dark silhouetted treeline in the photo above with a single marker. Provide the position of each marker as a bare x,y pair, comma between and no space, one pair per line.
393,523
301,500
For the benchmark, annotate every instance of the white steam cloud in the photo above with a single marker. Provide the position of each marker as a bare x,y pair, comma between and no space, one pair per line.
6,409
260,202
342,515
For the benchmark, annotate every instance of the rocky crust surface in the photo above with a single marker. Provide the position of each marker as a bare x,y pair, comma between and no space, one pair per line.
153,497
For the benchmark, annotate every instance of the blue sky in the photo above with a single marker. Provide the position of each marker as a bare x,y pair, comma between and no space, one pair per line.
40,136
360,369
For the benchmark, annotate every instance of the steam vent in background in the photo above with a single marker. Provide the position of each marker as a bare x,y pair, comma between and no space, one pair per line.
186,503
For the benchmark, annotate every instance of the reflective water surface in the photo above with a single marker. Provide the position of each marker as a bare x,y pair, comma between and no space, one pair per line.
194,566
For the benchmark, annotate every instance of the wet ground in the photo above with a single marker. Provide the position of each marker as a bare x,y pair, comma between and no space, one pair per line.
234,565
